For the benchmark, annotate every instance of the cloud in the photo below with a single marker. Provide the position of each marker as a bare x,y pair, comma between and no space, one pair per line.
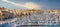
31,5
12,3
28,5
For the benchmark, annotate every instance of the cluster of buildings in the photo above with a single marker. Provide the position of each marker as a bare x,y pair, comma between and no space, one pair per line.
6,14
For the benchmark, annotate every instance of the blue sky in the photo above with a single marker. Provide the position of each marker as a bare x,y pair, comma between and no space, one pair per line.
43,4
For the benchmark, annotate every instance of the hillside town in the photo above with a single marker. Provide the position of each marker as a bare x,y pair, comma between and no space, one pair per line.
45,16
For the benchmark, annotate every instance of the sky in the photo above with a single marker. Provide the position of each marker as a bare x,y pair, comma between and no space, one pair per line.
31,4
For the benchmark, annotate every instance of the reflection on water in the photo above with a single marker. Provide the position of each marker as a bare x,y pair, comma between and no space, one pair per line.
5,25
41,26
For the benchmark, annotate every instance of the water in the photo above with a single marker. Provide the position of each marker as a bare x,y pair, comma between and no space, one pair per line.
8,25
42,26
5,25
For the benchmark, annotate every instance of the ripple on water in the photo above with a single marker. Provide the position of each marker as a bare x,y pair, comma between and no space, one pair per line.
5,25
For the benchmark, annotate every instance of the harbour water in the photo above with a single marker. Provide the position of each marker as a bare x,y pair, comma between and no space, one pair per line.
6,25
